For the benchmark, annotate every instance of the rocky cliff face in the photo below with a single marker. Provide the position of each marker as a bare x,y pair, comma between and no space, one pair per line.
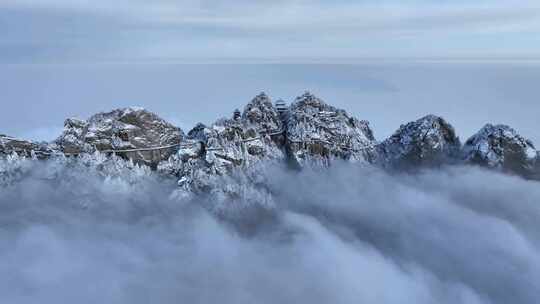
121,129
429,141
10,145
501,147
317,134
229,159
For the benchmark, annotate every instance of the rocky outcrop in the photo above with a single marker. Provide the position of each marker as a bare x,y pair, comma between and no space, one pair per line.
428,141
227,159
317,133
501,147
122,129
10,145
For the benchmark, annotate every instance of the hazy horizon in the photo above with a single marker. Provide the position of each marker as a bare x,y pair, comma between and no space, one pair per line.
387,94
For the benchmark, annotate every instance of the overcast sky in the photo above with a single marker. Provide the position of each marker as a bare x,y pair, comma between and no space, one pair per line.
35,99
139,30
96,38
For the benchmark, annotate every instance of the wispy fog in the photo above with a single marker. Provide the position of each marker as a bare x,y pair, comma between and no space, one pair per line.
347,235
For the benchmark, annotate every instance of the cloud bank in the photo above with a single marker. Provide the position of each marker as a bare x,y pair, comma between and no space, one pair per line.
71,233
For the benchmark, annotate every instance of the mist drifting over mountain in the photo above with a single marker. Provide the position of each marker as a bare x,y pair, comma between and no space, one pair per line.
391,156
350,234
286,203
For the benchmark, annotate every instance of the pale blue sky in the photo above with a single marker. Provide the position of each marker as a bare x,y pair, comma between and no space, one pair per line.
36,31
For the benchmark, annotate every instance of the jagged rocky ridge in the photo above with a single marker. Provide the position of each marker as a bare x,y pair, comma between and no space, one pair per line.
229,159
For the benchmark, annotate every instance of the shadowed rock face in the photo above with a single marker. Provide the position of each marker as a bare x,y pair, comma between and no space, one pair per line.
318,133
429,141
128,128
501,147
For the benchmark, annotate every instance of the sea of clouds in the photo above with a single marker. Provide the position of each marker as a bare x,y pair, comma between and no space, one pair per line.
73,233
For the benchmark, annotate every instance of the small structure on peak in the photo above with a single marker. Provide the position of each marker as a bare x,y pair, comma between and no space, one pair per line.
237,114
281,106
282,109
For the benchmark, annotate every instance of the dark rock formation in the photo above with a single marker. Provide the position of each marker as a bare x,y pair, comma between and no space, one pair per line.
429,141
501,147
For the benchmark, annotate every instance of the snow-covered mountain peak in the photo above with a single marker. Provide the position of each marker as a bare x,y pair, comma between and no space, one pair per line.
121,129
429,141
309,103
317,133
500,146
261,112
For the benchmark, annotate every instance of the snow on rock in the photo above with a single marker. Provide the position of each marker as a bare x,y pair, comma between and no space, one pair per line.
501,147
121,129
428,141
10,145
226,161
317,133
262,114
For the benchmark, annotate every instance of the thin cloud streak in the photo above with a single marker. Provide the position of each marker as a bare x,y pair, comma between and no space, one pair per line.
127,30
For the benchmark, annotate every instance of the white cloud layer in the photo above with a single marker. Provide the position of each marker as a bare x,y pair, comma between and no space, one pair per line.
350,235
